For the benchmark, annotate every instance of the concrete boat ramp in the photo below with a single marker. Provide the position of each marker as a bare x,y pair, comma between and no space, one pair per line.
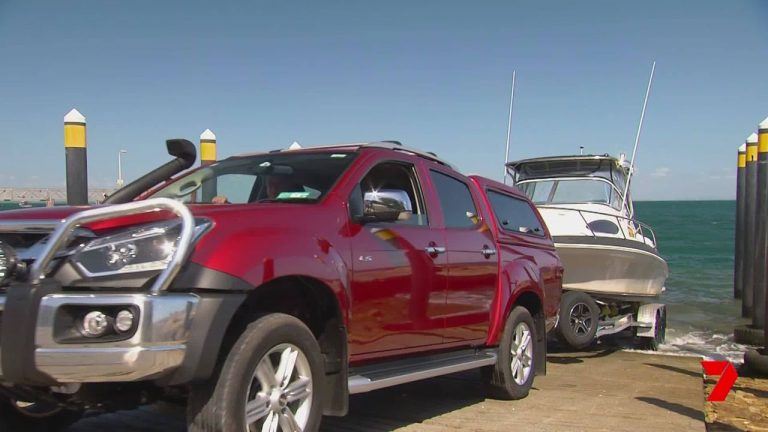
600,390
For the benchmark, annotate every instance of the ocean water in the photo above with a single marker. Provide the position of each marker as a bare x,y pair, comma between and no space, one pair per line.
697,240
10,205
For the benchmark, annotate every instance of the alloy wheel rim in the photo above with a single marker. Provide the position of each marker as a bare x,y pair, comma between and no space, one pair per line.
522,353
580,319
280,393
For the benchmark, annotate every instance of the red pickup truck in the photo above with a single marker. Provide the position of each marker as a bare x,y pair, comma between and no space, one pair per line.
266,288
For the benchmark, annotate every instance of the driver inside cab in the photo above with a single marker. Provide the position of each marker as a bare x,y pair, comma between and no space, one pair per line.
274,186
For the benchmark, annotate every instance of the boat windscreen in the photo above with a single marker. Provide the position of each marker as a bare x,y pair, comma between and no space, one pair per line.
605,168
571,191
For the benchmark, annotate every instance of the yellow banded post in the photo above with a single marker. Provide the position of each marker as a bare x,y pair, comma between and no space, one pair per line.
76,158
207,147
761,229
208,157
738,265
750,211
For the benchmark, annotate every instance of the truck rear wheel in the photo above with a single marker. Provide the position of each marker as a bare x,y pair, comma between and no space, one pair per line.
270,380
579,317
512,376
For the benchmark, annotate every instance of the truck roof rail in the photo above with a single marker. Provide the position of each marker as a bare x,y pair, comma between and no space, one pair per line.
385,144
398,146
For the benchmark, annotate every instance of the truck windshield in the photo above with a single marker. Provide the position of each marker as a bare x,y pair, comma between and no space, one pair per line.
274,177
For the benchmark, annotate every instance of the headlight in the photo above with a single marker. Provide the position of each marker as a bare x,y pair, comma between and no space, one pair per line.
140,249
7,262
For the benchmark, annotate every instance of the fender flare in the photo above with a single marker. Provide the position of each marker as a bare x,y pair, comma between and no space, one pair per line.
515,279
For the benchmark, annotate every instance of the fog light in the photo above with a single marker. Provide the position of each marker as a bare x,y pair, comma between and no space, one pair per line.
95,324
124,321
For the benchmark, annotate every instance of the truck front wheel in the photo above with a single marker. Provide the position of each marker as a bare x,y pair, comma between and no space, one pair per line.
512,376
270,380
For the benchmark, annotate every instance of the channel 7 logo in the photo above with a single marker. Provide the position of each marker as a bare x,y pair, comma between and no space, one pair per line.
727,374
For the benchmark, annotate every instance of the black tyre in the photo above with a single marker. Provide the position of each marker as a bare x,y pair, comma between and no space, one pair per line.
579,318
272,375
512,376
35,417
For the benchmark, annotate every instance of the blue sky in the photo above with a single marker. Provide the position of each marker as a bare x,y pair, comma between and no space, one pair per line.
433,74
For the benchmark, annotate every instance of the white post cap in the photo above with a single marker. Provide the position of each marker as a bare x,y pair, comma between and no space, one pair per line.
752,139
294,146
764,124
208,135
74,116
743,148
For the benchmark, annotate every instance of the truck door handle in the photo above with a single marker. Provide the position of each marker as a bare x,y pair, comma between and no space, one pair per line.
488,252
435,250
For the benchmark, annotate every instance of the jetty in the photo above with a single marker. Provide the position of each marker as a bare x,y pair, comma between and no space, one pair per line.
42,194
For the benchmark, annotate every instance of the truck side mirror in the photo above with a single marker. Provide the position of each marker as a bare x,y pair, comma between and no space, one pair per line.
386,205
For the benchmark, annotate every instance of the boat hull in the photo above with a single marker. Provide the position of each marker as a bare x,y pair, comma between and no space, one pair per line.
611,267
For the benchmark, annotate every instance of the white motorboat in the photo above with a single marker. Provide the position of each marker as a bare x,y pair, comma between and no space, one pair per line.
605,250
609,256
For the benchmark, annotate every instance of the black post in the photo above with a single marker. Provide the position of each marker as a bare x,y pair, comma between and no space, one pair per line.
77,158
738,267
208,157
761,219
747,297
757,360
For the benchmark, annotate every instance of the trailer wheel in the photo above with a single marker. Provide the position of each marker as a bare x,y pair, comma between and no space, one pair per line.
512,376
579,318
271,379
659,332
36,417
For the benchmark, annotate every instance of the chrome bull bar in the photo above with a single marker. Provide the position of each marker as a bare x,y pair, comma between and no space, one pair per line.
62,233
163,330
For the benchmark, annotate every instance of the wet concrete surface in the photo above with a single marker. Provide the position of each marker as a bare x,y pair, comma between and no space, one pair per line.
600,390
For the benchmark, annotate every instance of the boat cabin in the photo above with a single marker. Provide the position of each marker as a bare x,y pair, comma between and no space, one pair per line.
573,180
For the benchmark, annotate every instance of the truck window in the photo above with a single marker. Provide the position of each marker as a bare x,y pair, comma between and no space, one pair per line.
514,214
276,177
391,179
236,187
459,209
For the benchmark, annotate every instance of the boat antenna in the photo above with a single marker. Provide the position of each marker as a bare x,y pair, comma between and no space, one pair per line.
509,126
637,137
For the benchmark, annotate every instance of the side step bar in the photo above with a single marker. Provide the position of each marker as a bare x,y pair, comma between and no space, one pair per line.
369,378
